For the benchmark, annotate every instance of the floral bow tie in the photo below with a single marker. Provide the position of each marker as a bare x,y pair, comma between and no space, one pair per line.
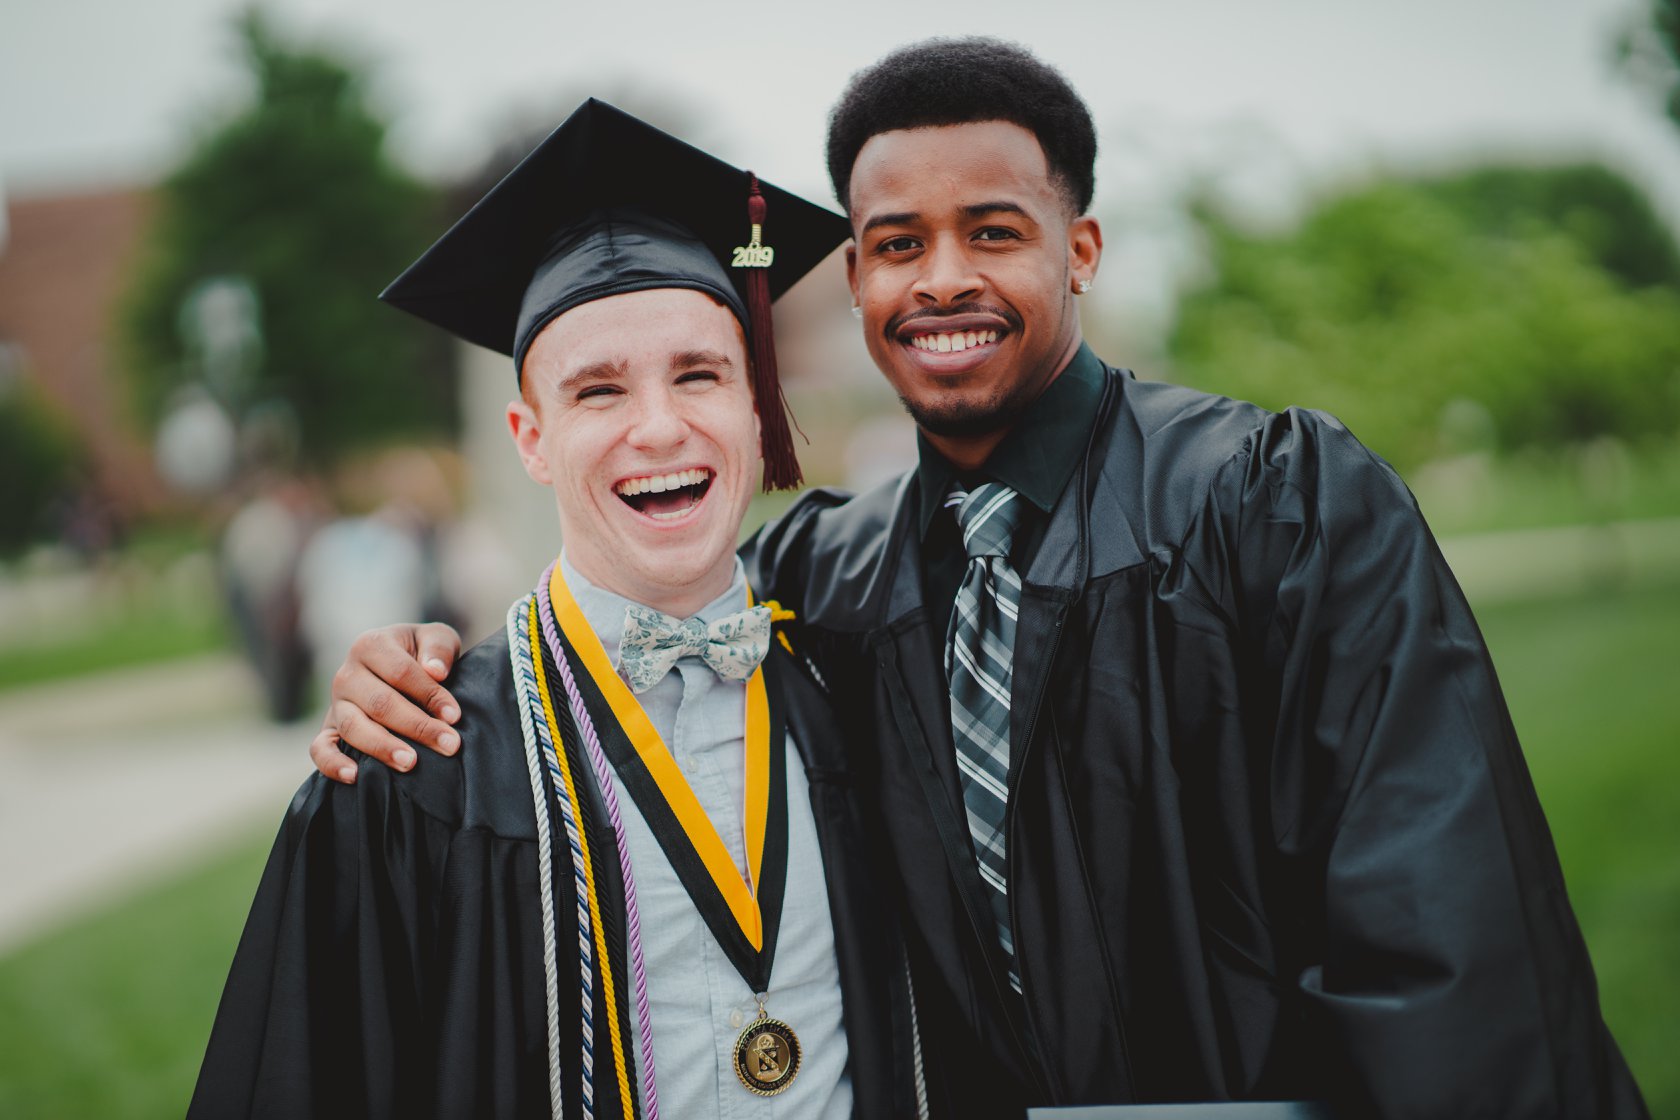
733,645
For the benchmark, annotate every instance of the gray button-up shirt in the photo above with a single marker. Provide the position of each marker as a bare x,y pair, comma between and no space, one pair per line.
698,1002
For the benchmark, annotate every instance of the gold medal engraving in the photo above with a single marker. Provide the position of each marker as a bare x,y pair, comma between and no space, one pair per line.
767,1056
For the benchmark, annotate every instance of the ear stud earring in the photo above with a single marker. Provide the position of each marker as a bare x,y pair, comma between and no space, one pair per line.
1084,286
857,312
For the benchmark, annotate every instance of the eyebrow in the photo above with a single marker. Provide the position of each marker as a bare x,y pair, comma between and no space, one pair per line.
688,359
903,218
594,371
971,211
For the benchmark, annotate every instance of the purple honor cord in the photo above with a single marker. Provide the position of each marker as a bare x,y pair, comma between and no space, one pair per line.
603,779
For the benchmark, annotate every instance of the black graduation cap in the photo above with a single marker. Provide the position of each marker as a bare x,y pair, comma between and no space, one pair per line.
609,204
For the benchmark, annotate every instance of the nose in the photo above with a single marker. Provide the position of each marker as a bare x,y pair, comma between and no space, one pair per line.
947,274
659,423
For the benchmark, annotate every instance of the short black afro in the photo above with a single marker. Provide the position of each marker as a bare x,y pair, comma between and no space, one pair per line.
957,81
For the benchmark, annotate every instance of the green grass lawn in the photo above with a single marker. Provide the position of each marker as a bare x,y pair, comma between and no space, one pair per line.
1593,689
1564,486
143,634
157,598
108,1017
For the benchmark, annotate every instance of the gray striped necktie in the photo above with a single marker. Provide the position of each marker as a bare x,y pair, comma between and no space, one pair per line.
979,662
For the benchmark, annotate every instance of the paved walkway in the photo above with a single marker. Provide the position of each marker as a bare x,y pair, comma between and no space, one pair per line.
110,782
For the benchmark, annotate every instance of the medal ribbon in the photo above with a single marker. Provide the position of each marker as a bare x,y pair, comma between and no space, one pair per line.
740,896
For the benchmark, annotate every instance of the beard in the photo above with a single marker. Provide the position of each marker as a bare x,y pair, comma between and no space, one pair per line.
952,415
966,419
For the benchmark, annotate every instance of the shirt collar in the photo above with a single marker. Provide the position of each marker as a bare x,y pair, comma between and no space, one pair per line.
604,610
1037,457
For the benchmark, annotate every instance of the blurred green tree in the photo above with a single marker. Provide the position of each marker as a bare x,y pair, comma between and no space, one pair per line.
1545,301
1650,54
39,457
291,206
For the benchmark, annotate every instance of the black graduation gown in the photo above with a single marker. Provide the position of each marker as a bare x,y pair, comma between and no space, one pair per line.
392,964
1270,831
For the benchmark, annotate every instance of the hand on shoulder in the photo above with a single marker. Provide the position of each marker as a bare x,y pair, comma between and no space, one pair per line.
387,687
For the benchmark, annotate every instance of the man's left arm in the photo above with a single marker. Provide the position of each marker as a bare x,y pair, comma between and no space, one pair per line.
1453,971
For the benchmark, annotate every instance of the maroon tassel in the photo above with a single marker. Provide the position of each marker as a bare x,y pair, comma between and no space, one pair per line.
781,465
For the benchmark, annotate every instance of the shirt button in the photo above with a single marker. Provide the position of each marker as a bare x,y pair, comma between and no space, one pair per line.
736,1019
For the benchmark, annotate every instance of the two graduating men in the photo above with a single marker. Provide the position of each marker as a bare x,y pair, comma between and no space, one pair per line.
1193,766
646,885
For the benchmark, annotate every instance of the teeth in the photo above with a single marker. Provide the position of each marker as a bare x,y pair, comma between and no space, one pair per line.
659,483
952,341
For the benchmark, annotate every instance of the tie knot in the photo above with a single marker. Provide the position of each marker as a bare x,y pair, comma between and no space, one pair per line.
987,516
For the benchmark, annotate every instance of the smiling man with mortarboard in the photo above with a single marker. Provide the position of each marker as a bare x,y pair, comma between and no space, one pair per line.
645,886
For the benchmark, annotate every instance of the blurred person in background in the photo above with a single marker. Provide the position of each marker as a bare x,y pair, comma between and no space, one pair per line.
261,550
370,568
357,572
571,917
1196,772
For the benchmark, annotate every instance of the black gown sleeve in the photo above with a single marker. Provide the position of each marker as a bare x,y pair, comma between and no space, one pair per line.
777,554
326,1005
1446,962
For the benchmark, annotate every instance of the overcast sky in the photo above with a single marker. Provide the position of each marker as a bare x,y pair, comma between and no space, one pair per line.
1273,99
1272,95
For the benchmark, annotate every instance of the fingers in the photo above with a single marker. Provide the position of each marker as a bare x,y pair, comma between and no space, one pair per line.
369,715
438,646
357,729
383,691
381,661
329,760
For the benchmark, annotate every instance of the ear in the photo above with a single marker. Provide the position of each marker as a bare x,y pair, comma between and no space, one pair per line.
851,271
1084,248
526,431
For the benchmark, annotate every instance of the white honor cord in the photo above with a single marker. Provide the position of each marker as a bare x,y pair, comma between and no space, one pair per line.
517,615
915,1043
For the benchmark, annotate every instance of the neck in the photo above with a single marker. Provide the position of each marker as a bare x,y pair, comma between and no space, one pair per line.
970,452
682,601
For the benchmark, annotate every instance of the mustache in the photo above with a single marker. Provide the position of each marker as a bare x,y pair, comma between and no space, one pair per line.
926,315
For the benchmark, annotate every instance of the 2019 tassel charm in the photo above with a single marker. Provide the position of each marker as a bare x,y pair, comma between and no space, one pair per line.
781,463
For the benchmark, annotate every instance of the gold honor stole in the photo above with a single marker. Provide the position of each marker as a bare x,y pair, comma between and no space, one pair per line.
743,915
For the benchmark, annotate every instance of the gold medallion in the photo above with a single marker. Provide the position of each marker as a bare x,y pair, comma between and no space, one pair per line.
767,1056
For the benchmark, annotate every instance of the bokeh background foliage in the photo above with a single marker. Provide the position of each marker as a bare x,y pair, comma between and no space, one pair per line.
294,194
1501,308
39,456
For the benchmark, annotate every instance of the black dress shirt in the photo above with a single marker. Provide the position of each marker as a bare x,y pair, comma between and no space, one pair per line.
1036,459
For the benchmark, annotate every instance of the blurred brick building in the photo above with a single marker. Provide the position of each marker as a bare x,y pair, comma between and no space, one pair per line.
64,259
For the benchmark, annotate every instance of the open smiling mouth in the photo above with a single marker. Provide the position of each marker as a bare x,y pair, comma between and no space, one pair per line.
665,497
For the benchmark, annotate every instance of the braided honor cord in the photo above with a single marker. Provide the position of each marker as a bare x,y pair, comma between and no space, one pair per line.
519,652
603,779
